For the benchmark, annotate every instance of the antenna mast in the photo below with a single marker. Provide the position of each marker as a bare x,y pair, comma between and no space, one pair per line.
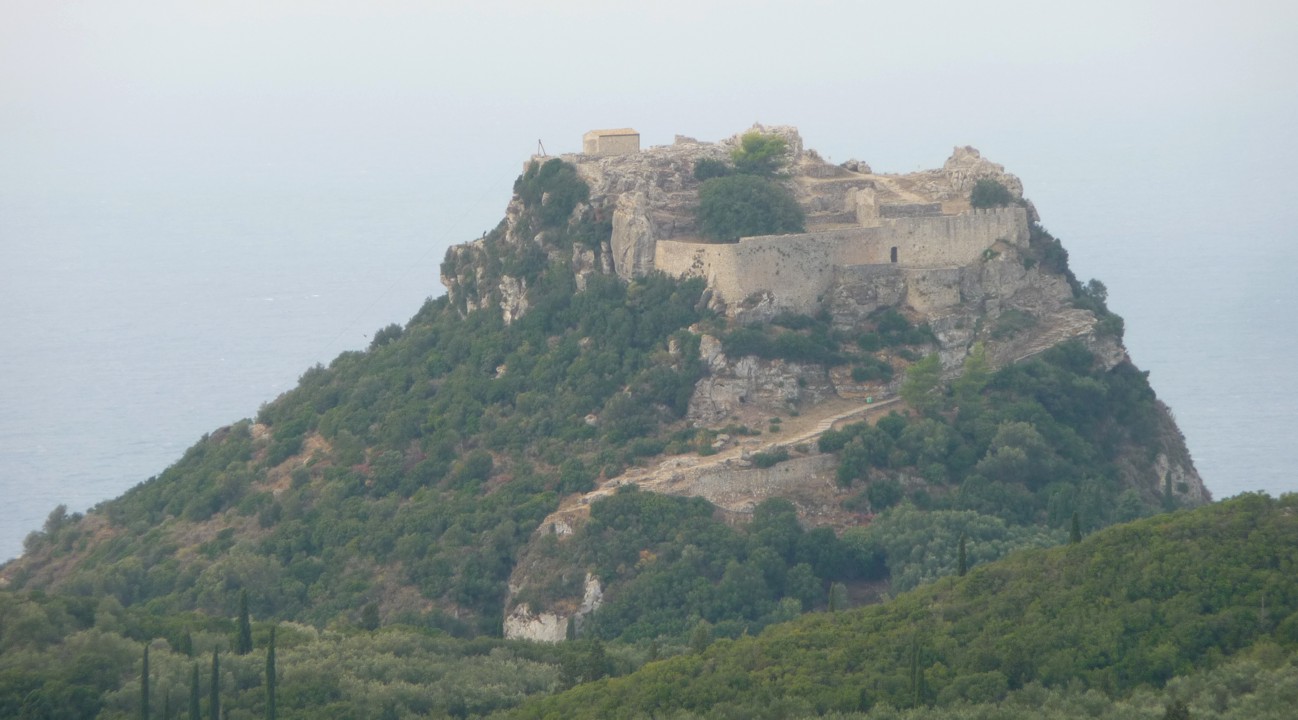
540,149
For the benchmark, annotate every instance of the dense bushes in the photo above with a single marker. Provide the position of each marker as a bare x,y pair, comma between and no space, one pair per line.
1030,444
552,189
422,464
743,205
1129,607
988,193
669,563
744,199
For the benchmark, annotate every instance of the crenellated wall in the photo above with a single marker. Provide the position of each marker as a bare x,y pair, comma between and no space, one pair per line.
794,273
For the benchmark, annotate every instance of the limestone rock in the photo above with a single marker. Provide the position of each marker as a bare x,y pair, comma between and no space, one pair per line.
523,624
513,298
967,166
633,236
748,383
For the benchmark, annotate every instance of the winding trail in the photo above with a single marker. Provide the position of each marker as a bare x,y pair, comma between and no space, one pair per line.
669,475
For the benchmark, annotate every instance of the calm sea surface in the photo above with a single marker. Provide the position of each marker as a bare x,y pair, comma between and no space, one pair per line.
134,321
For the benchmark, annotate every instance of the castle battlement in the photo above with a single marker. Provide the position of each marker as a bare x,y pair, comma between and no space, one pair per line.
795,273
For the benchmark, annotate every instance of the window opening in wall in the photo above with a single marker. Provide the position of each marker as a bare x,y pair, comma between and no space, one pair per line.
894,253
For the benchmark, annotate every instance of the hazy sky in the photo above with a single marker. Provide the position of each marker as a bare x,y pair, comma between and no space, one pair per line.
388,130
171,87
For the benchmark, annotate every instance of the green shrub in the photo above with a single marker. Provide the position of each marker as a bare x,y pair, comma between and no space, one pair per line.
1011,322
759,154
871,368
707,168
771,458
554,189
988,193
746,205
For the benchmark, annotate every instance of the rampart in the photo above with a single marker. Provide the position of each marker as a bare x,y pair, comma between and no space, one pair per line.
794,273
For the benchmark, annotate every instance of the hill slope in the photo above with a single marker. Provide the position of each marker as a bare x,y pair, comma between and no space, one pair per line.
1133,605
418,482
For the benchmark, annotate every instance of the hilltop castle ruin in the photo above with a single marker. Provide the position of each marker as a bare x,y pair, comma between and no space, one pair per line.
872,240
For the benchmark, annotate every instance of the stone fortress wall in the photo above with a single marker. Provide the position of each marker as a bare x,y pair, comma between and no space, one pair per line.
875,239
795,273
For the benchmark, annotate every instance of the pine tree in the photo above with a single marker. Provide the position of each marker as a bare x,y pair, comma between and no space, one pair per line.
1075,534
194,695
243,643
270,677
962,566
144,686
214,699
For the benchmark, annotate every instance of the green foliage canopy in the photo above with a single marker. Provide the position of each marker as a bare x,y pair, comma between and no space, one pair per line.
989,193
759,154
744,205
1127,609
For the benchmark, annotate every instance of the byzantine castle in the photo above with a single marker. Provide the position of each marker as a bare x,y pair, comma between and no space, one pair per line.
873,240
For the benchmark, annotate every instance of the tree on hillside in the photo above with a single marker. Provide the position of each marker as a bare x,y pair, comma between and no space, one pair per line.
988,193
745,205
962,562
214,699
243,642
144,686
837,597
974,377
270,677
759,154
920,388
194,694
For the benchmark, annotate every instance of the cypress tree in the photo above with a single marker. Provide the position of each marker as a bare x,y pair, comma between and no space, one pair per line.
1075,533
270,677
194,712
214,699
144,686
963,563
916,674
243,643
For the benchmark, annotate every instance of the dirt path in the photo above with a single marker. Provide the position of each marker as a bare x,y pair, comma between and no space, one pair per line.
665,477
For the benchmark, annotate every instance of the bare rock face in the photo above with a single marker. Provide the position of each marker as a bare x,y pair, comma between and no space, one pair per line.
773,387
522,623
633,236
513,298
967,166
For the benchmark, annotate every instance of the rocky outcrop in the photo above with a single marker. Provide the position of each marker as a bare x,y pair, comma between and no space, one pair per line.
751,384
522,623
633,236
967,166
